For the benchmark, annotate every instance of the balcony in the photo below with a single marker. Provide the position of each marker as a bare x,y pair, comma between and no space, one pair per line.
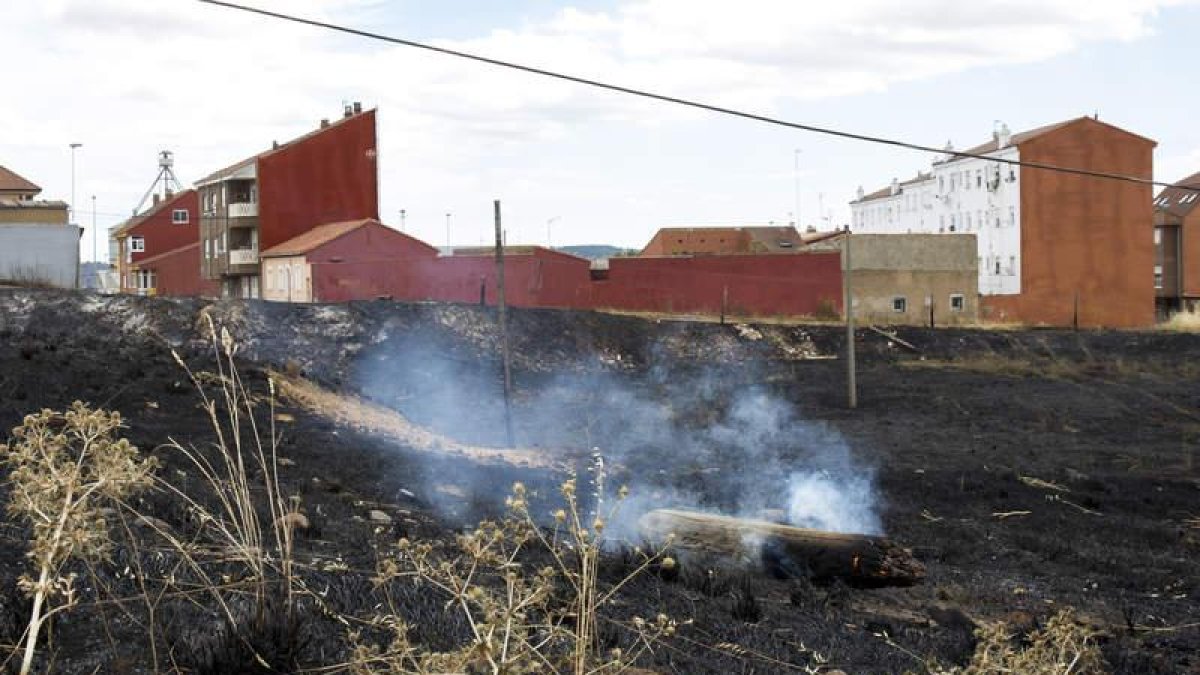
243,256
243,210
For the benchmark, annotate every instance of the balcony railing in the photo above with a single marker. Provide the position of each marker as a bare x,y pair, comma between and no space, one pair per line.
243,256
243,210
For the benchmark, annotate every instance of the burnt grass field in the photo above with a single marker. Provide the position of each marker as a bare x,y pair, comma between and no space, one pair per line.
1029,471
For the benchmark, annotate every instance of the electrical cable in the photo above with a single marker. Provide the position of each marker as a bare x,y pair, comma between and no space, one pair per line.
688,102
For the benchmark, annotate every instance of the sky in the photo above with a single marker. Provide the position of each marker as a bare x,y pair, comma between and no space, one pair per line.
572,164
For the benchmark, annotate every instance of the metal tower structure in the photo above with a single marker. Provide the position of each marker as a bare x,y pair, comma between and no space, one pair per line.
166,178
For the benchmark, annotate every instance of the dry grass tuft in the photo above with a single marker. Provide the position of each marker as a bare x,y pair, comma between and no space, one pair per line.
523,616
64,466
1063,647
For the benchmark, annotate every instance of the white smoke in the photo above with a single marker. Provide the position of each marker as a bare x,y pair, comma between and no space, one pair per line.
822,501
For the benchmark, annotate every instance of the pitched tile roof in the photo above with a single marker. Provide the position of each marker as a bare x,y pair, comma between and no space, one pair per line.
315,238
1016,139
11,182
1177,200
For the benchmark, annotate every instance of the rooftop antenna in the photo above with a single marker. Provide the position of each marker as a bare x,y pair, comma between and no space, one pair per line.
166,178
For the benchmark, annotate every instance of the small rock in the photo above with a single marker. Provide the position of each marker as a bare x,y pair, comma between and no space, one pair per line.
284,461
297,521
377,516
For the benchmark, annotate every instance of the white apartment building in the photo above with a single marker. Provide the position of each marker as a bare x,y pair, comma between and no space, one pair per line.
963,195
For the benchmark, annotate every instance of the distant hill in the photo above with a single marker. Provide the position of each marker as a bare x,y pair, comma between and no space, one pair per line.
596,251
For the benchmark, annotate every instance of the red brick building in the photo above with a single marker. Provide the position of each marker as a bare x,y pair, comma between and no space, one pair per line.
327,176
351,260
1177,247
1086,248
157,251
723,240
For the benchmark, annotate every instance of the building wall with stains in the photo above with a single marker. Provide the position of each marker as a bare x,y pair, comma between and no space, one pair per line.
327,178
1087,245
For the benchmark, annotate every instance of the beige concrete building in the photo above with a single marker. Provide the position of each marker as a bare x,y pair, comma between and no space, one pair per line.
37,246
911,278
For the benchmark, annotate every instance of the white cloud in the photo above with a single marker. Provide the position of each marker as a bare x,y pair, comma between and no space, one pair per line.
130,77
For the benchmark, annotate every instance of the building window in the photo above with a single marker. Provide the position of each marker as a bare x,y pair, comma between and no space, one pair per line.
978,178
1157,237
1158,277
941,183
997,265
179,216
207,249
1012,216
899,304
1012,265
137,244
957,302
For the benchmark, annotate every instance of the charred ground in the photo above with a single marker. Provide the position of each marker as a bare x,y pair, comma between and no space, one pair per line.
1093,434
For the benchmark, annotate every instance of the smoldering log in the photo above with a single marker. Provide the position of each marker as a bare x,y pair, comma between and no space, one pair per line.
855,558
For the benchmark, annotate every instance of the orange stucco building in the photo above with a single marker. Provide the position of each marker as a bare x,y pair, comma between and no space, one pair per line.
1087,247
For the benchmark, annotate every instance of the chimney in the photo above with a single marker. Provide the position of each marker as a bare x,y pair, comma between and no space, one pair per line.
358,107
348,110
274,145
324,122
1004,138
170,193
157,199
895,187
861,193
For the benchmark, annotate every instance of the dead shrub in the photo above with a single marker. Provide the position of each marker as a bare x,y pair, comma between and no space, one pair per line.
1062,647
64,466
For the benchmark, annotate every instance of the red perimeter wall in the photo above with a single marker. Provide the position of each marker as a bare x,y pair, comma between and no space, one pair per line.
326,178
758,285
755,285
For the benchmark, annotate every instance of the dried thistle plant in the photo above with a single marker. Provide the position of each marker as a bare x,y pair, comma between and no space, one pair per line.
1062,647
523,617
64,465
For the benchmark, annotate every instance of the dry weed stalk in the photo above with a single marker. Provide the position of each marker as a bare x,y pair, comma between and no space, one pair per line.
1063,647
521,618
63,466
243,475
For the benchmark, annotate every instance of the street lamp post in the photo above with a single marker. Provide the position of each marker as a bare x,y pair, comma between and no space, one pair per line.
403,213
796,176
74,147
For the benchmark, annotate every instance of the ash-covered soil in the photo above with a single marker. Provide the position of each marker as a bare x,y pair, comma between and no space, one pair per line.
1028,470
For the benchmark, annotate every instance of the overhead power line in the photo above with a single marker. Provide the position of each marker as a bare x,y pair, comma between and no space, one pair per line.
766,119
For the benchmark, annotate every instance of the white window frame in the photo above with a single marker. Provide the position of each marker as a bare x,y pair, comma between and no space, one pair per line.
137,244
899,304
175,217
960,300
1158,277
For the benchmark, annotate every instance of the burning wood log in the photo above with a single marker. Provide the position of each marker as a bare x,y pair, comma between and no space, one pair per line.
855,558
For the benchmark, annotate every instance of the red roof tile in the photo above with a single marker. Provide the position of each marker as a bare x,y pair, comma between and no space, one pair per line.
315,238
11,182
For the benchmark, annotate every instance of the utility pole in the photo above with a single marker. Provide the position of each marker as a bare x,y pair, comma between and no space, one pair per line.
548,224
448,249
95,244
796,176
403,214
503,312
851,374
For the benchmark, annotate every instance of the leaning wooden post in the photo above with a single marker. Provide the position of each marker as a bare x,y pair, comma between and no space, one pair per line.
851,375
504,348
